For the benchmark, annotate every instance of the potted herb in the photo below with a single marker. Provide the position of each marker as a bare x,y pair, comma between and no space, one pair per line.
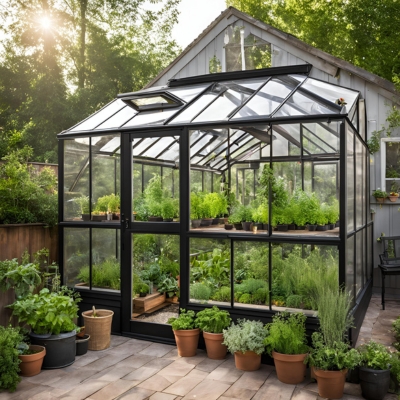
286,342
374,370
321,220
51,317
31,357
168,209
331,355
154,196
212,321
380,195
195,210
217,205
141,288
258,217
246,213
246,341
186,333
235,218
83,203
169,286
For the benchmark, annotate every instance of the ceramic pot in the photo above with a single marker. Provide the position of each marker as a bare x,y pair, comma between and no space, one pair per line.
292,227
228,227
238,227
374,384
196,223
248,361
215,349
300,227
312,228
322,228
31,364
187,341
393,198
206,221
290,368
330,383
246,226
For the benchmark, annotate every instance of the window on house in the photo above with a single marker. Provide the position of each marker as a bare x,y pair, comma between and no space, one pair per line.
391,164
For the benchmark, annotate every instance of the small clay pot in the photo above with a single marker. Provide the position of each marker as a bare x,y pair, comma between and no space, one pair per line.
31,364
215,349
330,383
187,341
290,368
248,361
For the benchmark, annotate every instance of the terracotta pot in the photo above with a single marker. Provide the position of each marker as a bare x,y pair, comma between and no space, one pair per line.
248,361
215,349
31,364
330,383
380,199
187,341
393,198
290,368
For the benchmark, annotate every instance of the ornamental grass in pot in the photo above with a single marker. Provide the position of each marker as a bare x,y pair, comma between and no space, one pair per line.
246,341
331,356
286,342
374,370
212,321
186,333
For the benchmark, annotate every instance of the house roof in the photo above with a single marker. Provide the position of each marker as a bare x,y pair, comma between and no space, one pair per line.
290,39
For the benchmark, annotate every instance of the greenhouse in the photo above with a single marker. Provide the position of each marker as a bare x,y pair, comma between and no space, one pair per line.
248,190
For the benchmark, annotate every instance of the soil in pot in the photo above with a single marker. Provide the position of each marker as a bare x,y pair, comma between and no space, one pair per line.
215,349
82,344
374,384
330,383
196,223
246,226
187,342
248,361
228,227
31,364
290,368
238,227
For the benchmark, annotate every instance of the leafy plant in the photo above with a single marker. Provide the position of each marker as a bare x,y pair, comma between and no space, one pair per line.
213,320
375,356
169,286
223,294
151,273
396,331
236,216
195,206
200,291
104,275
245,336
83,203
287,334
141,287
185,321
378,193
9,365
216,204
169,208
260,214
48,312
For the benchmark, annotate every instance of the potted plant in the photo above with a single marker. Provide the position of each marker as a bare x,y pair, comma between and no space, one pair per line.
186,333
246,214
246,341
141,288
98,327
212,321
286,342
235,218
168,209
31,357
169,286
154,196
195,210
374,370
321,219
83,203
380,195
393,196
331,355
258,217
51,317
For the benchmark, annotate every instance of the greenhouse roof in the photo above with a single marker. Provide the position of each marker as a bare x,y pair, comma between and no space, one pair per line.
268,95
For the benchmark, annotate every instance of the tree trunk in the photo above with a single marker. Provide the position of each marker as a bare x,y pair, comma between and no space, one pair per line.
82,45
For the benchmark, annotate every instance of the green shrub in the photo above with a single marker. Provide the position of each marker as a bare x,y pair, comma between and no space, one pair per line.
186,320
199,291
104,275
245,298
375,356
213,320
396,331
223,294
169,286
294,301
151,273
261,296
251,285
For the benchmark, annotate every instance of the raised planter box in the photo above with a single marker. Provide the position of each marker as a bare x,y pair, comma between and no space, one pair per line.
141,304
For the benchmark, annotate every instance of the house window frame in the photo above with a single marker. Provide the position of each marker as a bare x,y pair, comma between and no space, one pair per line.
384,141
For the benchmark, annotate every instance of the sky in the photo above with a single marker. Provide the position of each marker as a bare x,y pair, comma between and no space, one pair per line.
195,16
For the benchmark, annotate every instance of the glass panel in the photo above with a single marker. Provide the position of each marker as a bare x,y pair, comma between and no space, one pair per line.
392,166
151,117
105,192
325,184
361,118
350,281
118,119
155,180
364,184
359,262
196,181
350,179
207,182
210,265
76,256
76,180
321,138
266,100
151,100
188,93
331,92
233,95
105,261
96,119
155,276
301,103
286,140
299,271
195,108
251,275
369,252
359,183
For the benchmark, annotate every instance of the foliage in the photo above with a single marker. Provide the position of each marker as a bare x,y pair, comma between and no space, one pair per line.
48,312
223,294
213,320
104,275
185,321
375,356
9,366
236,215
260,214
140,287
196,211
151,273
396,331
214,65
168,286
169,208
245,336
216,204
83,203
395,370
108,203
200,291
153,195
287,334
334,357
377,193
26,196
294,301
374,142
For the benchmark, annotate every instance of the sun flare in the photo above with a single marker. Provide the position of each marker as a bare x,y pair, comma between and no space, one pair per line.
45,22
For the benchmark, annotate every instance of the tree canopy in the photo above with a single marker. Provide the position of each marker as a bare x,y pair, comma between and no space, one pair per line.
61,60
364,32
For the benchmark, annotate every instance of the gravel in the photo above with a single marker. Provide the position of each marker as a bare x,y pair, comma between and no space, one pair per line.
162,316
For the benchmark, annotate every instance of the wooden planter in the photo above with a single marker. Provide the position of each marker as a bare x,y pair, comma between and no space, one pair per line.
142,304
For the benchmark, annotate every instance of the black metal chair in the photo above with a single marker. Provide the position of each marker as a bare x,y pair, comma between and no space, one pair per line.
389,260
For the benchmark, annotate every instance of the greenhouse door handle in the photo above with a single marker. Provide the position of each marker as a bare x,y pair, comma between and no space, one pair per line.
124,222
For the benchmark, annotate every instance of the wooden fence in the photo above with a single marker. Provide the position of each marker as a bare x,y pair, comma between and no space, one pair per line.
14,240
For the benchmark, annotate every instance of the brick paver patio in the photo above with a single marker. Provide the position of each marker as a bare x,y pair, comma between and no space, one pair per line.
136,370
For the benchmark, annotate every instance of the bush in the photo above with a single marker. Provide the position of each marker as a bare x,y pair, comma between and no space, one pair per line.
199,291
375,356
245,298
251,285
294,301
104,275
261,296
223,294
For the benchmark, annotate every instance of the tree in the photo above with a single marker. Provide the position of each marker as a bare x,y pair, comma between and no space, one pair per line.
363,32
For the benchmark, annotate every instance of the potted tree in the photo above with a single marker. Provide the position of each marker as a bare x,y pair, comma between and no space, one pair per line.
374,370
212,321
331,355
51,317
246,341
286,342
186,333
